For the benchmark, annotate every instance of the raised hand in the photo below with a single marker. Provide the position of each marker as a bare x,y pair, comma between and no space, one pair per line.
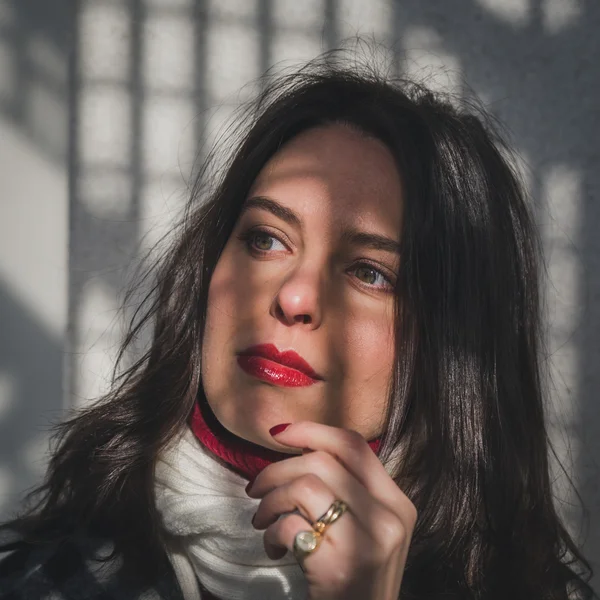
362,554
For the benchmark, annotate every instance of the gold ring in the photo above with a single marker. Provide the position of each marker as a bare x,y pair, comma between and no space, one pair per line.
334,512
307,542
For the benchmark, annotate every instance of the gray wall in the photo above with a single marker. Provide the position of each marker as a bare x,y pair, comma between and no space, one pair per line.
95,166
34,95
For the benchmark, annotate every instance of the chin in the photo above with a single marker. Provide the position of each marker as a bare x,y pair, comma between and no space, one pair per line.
252,418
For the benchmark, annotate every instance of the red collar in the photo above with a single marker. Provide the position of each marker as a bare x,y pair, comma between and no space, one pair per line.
247,458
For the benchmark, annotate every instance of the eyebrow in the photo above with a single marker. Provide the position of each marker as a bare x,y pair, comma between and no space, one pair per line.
283,213
373,241
351,236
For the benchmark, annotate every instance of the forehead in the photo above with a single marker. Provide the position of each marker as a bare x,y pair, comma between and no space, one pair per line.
335,171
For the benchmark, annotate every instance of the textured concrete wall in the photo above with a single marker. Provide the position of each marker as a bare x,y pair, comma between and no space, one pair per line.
153,78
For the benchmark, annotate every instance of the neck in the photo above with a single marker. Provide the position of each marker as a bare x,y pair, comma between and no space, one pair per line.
246,458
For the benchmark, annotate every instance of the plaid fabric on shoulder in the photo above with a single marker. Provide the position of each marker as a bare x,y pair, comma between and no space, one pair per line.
75,569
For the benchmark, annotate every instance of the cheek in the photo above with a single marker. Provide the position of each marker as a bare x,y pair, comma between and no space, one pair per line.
222,287
227,294
371,341
219,326
367,372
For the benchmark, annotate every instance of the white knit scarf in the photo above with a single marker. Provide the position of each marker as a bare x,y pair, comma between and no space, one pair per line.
207,516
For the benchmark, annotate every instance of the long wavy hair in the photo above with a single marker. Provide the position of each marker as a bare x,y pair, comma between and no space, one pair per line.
465,430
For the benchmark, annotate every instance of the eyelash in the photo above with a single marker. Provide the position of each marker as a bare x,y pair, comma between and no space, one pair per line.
249,235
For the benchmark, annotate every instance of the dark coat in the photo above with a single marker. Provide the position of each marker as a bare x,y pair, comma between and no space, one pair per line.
74,570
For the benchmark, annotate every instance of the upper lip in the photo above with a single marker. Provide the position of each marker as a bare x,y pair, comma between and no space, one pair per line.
288,358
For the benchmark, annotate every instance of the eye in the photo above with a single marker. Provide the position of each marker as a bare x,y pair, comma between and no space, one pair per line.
371,276
261,241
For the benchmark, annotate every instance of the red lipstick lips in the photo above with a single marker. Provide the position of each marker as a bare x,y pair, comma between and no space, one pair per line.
287,369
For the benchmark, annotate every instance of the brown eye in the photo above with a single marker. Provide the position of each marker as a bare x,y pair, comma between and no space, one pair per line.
372,277
367,275
263,241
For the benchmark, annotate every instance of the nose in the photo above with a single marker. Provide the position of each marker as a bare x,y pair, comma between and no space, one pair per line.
298,300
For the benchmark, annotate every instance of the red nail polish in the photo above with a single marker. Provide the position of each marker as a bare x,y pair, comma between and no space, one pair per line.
279,428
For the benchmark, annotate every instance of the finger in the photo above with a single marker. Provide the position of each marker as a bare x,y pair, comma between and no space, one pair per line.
353,451
279,537
295,482
340,545
309,495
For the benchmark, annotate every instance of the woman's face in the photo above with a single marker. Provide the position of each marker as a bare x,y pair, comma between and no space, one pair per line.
309,268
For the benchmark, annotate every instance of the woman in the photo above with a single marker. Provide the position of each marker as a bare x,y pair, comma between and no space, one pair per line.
349,324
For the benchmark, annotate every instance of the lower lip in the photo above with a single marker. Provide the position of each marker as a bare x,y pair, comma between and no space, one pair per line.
272,372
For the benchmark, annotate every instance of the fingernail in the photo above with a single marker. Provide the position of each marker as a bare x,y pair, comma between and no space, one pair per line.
279,428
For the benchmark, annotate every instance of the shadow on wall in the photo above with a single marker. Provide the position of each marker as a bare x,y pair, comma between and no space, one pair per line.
31,367
35,42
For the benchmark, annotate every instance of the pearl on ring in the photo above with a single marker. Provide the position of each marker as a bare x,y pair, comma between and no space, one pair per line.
306,542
